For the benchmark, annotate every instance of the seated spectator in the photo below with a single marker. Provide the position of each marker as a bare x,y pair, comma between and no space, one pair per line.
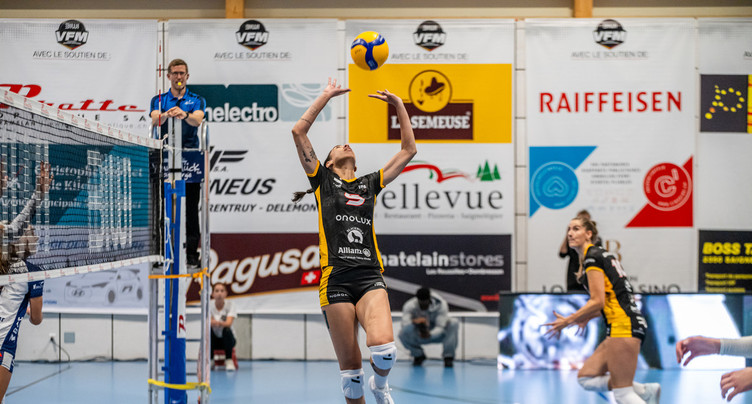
222,315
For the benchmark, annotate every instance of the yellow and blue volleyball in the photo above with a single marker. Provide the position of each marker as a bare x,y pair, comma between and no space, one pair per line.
369,50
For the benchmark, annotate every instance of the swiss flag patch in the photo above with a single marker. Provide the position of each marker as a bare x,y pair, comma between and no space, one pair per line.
310,277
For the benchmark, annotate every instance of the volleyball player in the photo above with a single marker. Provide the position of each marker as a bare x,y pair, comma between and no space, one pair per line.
352,290
612,366
17,298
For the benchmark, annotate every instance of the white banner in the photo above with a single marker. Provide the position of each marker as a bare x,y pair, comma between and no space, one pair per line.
610,124
723,148
258,78
724,142
102,70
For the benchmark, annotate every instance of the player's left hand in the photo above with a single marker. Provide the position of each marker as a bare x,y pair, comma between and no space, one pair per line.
738,380
557,325
386,96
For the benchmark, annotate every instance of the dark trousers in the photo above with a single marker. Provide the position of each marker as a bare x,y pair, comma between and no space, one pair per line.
192,229
226,342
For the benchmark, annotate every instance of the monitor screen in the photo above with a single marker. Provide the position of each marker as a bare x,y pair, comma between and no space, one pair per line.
670,317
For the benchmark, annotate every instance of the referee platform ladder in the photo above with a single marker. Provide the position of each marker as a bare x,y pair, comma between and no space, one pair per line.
169,282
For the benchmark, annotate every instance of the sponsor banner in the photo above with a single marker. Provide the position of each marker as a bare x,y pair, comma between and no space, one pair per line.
467,270
725,261
455,91
610,118
101,70
444,192
264,263
725,138
258,77
117,291
448,103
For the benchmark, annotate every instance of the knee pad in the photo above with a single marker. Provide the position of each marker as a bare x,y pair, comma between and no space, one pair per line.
598,383
384,356
352,383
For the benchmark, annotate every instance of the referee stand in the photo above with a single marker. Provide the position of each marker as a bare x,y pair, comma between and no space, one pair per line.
175,276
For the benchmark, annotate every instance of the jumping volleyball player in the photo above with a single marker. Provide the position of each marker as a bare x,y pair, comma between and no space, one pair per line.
18,243
352,289
610,294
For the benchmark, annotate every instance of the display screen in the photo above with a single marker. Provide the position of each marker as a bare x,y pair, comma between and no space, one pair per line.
670,317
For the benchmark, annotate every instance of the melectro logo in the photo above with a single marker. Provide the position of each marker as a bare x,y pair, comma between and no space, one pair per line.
240,102
610,34
252,34
71,34
429,35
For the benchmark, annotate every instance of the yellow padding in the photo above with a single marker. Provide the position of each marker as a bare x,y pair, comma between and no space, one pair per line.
187,386
204,272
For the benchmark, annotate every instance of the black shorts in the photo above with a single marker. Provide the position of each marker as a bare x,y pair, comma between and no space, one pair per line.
630,328
348,285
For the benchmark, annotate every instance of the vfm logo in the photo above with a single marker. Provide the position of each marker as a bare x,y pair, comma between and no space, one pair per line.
429,35
71,34
252,34
610,34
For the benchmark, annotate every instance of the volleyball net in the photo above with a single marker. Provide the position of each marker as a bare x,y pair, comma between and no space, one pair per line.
77,196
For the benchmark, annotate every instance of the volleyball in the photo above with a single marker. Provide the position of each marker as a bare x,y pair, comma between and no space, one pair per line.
369,50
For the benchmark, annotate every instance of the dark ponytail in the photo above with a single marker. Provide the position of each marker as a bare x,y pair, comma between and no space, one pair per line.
297,196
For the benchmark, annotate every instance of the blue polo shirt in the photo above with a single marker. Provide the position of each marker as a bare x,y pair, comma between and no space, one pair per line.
190,102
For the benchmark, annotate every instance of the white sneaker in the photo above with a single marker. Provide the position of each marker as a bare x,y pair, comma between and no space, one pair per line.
652,393
382,395
230,365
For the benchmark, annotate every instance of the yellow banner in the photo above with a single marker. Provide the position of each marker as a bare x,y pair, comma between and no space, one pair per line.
447,103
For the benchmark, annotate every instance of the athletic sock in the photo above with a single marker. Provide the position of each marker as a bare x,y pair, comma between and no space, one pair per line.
379,381
598,383
639,388
627,395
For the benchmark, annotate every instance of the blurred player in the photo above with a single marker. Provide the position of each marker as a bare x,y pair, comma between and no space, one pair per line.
612,366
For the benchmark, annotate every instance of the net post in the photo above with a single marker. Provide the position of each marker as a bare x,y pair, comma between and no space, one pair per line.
154,333
204,373
175,289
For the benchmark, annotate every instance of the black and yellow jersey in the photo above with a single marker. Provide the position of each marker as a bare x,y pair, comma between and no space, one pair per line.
346,234
619,307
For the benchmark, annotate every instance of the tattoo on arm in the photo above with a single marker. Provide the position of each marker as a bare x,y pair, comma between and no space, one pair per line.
313,155
303,154
306,120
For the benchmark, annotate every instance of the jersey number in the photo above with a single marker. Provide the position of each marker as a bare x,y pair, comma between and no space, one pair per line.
617,265
354,199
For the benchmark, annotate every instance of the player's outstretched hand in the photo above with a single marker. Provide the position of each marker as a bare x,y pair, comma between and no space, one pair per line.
386,96
736,382
556,326
334,90
696,346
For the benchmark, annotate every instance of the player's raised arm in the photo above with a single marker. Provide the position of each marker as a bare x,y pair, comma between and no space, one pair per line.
408,149
300,131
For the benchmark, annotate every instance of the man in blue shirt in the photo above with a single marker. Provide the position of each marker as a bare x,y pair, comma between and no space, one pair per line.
188,107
